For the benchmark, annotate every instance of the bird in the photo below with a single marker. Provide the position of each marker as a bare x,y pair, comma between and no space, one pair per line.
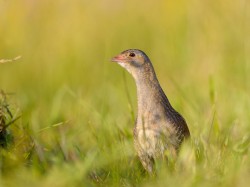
159,129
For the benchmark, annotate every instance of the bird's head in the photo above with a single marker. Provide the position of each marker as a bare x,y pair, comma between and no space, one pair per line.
134,61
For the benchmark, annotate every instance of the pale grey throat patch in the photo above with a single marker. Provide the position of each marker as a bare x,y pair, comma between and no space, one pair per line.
126,66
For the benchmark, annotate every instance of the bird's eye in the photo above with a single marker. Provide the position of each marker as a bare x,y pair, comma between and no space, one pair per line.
131,54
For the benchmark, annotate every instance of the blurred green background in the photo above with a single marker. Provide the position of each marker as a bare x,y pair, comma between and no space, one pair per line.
77,109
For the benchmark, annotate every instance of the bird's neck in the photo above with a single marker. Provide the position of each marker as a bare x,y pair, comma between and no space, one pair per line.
149,93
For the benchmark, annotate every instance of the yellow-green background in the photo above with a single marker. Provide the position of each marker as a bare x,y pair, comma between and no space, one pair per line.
77,109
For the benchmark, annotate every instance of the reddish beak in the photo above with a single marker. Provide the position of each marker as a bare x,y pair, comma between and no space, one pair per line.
118,58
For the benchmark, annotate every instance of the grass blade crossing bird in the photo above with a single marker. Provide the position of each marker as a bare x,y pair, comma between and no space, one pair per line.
158,127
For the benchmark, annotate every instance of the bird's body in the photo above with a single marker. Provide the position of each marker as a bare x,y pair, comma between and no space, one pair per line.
158,128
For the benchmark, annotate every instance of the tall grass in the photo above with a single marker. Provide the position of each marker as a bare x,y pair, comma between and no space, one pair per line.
77,109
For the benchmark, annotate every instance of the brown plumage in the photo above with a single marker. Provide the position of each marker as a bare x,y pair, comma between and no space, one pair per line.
158,127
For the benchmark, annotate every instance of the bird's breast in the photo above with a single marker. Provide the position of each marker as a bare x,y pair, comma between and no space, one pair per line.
155,140
149,142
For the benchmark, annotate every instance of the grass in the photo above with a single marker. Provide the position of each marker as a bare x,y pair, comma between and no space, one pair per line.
77,109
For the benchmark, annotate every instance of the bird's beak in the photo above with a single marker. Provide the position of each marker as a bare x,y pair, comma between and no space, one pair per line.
118,58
